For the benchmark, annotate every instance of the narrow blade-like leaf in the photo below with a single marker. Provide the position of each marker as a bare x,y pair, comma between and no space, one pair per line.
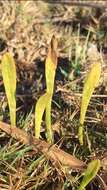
9,79
45,101
51,65
39,110
90,173
89,86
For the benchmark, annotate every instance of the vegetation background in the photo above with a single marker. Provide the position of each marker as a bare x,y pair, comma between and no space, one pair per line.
26,27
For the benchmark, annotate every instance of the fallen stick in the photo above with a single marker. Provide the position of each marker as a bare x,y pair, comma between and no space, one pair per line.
52,152
79,3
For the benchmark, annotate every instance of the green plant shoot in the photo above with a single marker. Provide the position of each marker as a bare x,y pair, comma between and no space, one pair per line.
40,108
9,79
90,173
45,101
91,82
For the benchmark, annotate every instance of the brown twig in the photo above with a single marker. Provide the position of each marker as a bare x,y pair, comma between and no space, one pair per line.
52,152
78,3
61,89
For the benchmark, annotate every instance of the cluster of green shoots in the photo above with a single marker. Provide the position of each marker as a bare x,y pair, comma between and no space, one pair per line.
45,101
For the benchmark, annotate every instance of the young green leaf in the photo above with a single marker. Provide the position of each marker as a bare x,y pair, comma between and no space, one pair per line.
44,103
51,65
90,173
39,111
91,82
9,79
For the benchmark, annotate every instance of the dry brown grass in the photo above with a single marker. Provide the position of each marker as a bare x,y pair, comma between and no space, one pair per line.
26,28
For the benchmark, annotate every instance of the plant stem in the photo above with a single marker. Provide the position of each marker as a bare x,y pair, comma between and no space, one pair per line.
48,121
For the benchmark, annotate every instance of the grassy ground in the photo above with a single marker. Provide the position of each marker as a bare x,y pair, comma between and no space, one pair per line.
26,28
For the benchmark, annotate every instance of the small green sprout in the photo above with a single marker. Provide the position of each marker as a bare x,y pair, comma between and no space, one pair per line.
91,82
9,79
90,173
45,101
